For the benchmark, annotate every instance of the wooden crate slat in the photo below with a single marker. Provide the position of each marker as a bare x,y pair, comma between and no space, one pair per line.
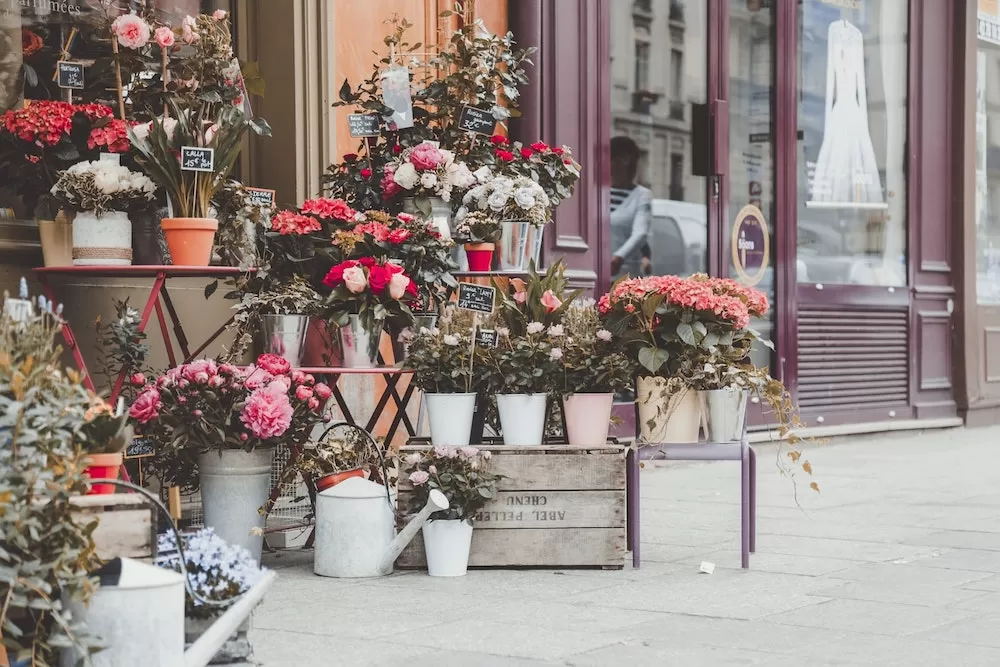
124,534
549,509
527,547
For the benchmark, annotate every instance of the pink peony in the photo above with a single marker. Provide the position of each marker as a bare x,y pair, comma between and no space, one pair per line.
303,392
322,391
132,32
274,364
550,301
147,406
256,378
268,412
137,379
199,371
418,477
426,156
164,37
313,404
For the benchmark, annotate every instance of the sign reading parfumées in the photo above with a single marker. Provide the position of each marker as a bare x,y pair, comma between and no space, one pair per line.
478,298
476,120
140,448
196,158
261,198
364,124
70,75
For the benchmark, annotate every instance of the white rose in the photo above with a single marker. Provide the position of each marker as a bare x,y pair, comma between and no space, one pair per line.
524,198
355,279
460,177
497,201
169,127
141,131
483,174
406,176
428,179
397,286
106,182
450,340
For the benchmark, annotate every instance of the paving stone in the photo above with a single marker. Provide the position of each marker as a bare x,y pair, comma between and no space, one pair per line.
858,650
640,652
273,648
965,559
915,573
980,631
833,548
922,595
985,602
987,584
881,618
763,561
763,636
961,539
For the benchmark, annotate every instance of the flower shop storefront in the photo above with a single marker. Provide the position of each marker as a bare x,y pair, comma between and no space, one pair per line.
802,147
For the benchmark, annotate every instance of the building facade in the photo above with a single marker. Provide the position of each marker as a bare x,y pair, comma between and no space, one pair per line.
837,154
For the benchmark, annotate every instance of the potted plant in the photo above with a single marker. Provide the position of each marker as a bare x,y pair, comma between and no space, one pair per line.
219,573
552,167
103,436
366,295
523,209
479,231
229,420
426,177
592,370
667,324
203,108
102,194
443,360
462,474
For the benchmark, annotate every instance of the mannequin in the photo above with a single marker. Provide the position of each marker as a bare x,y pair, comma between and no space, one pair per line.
846,169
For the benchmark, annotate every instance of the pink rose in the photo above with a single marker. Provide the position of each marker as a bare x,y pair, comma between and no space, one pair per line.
418,477
432,470
199,370
132,32
137,379
354,278
406,217
550,301
468,452
164,37
147,406
322,391
268,412
303,392
397,285
426,156
219,14
309,380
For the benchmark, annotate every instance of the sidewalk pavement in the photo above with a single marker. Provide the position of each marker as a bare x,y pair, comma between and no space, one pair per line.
896,562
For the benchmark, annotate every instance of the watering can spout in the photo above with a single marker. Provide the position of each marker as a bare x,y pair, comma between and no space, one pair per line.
435,503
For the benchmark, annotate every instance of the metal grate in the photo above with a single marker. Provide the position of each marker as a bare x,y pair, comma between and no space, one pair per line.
852,357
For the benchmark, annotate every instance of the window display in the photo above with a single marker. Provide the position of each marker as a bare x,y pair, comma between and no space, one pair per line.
852,136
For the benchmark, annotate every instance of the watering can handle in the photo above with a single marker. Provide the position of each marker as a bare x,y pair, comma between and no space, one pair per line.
374,443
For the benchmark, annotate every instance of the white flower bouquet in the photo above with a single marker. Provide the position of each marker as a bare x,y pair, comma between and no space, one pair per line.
426,171
516,199
102,186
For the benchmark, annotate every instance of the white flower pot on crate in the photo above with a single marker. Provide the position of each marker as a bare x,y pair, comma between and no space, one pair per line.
446,545
450,417
102,240
522,418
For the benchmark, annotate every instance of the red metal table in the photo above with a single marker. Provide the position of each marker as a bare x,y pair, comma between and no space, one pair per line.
158,299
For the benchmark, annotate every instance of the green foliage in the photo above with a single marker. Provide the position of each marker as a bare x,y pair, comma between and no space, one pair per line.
443,360
591,359
542,298
121,347
462,474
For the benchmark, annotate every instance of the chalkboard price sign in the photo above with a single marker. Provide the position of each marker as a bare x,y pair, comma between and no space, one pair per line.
476,120
70,75
261,198
364,124
196,158
140,448
486,338
478,298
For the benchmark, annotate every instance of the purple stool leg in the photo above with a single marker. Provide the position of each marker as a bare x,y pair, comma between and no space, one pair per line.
745,506
629,519
632,504
753,501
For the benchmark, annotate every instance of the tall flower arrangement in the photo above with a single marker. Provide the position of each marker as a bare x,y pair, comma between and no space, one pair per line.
425,171
101,186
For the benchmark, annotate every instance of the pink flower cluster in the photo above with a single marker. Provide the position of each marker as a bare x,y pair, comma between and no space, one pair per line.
289,222
329,209
722,297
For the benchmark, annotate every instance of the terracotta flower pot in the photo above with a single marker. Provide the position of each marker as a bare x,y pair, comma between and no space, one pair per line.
333,479
190,240
480,256
103,466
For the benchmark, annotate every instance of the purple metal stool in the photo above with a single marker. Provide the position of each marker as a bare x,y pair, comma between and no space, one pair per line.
702,451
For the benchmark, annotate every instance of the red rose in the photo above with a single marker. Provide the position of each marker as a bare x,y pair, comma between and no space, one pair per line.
527,153
378,278
335,277
398,236
350,157
411,289
557,150
366,172
567,161
367,262
506,156
393,268
499,140
540,146
397,149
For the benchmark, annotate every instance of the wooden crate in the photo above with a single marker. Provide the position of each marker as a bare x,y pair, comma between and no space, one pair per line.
125,526
558,506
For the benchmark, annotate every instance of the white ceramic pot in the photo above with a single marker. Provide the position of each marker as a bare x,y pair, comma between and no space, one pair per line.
450,417
588,418
522,418
234,484
667,416
102,240
446,545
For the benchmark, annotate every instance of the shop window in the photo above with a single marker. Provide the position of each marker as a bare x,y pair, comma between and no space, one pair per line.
852,216
988,161
642,66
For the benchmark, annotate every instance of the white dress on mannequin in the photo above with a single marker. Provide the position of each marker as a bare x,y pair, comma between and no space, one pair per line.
846,170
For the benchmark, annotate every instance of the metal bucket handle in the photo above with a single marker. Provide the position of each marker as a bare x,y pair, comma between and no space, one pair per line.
375,445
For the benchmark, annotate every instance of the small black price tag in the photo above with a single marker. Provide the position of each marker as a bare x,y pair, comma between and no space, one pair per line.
140,448
261,198
196,158
364,124
478,298
477,120
70,75
486,338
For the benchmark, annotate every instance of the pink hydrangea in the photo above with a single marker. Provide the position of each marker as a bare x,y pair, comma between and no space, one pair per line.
268,412
426,156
